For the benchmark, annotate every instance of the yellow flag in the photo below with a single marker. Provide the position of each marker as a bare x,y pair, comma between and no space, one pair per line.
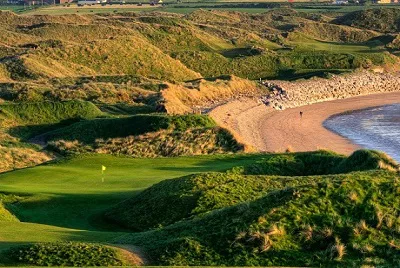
103,168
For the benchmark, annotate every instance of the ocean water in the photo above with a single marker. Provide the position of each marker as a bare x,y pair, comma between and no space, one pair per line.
374,128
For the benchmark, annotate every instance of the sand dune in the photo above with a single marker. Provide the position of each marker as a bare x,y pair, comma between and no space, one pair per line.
274,131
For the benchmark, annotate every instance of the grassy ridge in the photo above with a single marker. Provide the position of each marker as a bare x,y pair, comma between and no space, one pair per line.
121,55
48,112
25,120
203,193
382,20
167,143
318,163
90,130
271,66
5,215
343,222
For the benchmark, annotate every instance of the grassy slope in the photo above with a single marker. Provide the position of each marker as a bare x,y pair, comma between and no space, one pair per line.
25,120
164,143
203,193
332,220
383,20
90,130
48,112
5,215
124,55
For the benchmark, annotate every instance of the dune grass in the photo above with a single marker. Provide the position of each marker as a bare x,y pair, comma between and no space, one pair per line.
90,130
333,221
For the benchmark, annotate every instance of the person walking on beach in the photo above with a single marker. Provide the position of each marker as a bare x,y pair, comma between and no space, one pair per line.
301,114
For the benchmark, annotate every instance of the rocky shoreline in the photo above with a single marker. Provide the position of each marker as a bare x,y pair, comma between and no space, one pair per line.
286,94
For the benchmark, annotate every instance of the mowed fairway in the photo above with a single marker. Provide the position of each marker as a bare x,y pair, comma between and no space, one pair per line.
64,201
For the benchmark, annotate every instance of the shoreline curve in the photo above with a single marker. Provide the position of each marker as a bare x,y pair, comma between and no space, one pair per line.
271,130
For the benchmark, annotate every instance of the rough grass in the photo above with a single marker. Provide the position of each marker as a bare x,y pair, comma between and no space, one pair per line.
90,130
19,156
319,163
66,254
5,215
117,90
203,193
165,143
123,55
336,33
382,20
329,221
4,75
180,99
48,112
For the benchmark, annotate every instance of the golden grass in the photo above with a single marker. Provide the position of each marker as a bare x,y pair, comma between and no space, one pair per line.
191,97
338,250
15,158
122,55
4,75
162,143
5,215
336,33
13,38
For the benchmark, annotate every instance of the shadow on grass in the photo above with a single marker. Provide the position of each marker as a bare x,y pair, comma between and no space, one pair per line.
241,52
76,211
27,132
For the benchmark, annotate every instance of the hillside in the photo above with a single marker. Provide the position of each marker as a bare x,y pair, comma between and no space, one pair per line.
338,220
144,136
172,47
382,20
198,194
270,219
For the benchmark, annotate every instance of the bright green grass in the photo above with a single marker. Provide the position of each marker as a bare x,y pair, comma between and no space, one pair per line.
309,44
12,234
70,194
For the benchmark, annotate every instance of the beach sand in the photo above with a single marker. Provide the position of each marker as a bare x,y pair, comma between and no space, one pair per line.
274,131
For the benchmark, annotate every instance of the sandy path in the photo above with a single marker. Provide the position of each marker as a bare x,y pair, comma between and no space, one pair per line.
272,131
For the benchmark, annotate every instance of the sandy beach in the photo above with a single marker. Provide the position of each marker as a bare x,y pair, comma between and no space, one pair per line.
274,131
